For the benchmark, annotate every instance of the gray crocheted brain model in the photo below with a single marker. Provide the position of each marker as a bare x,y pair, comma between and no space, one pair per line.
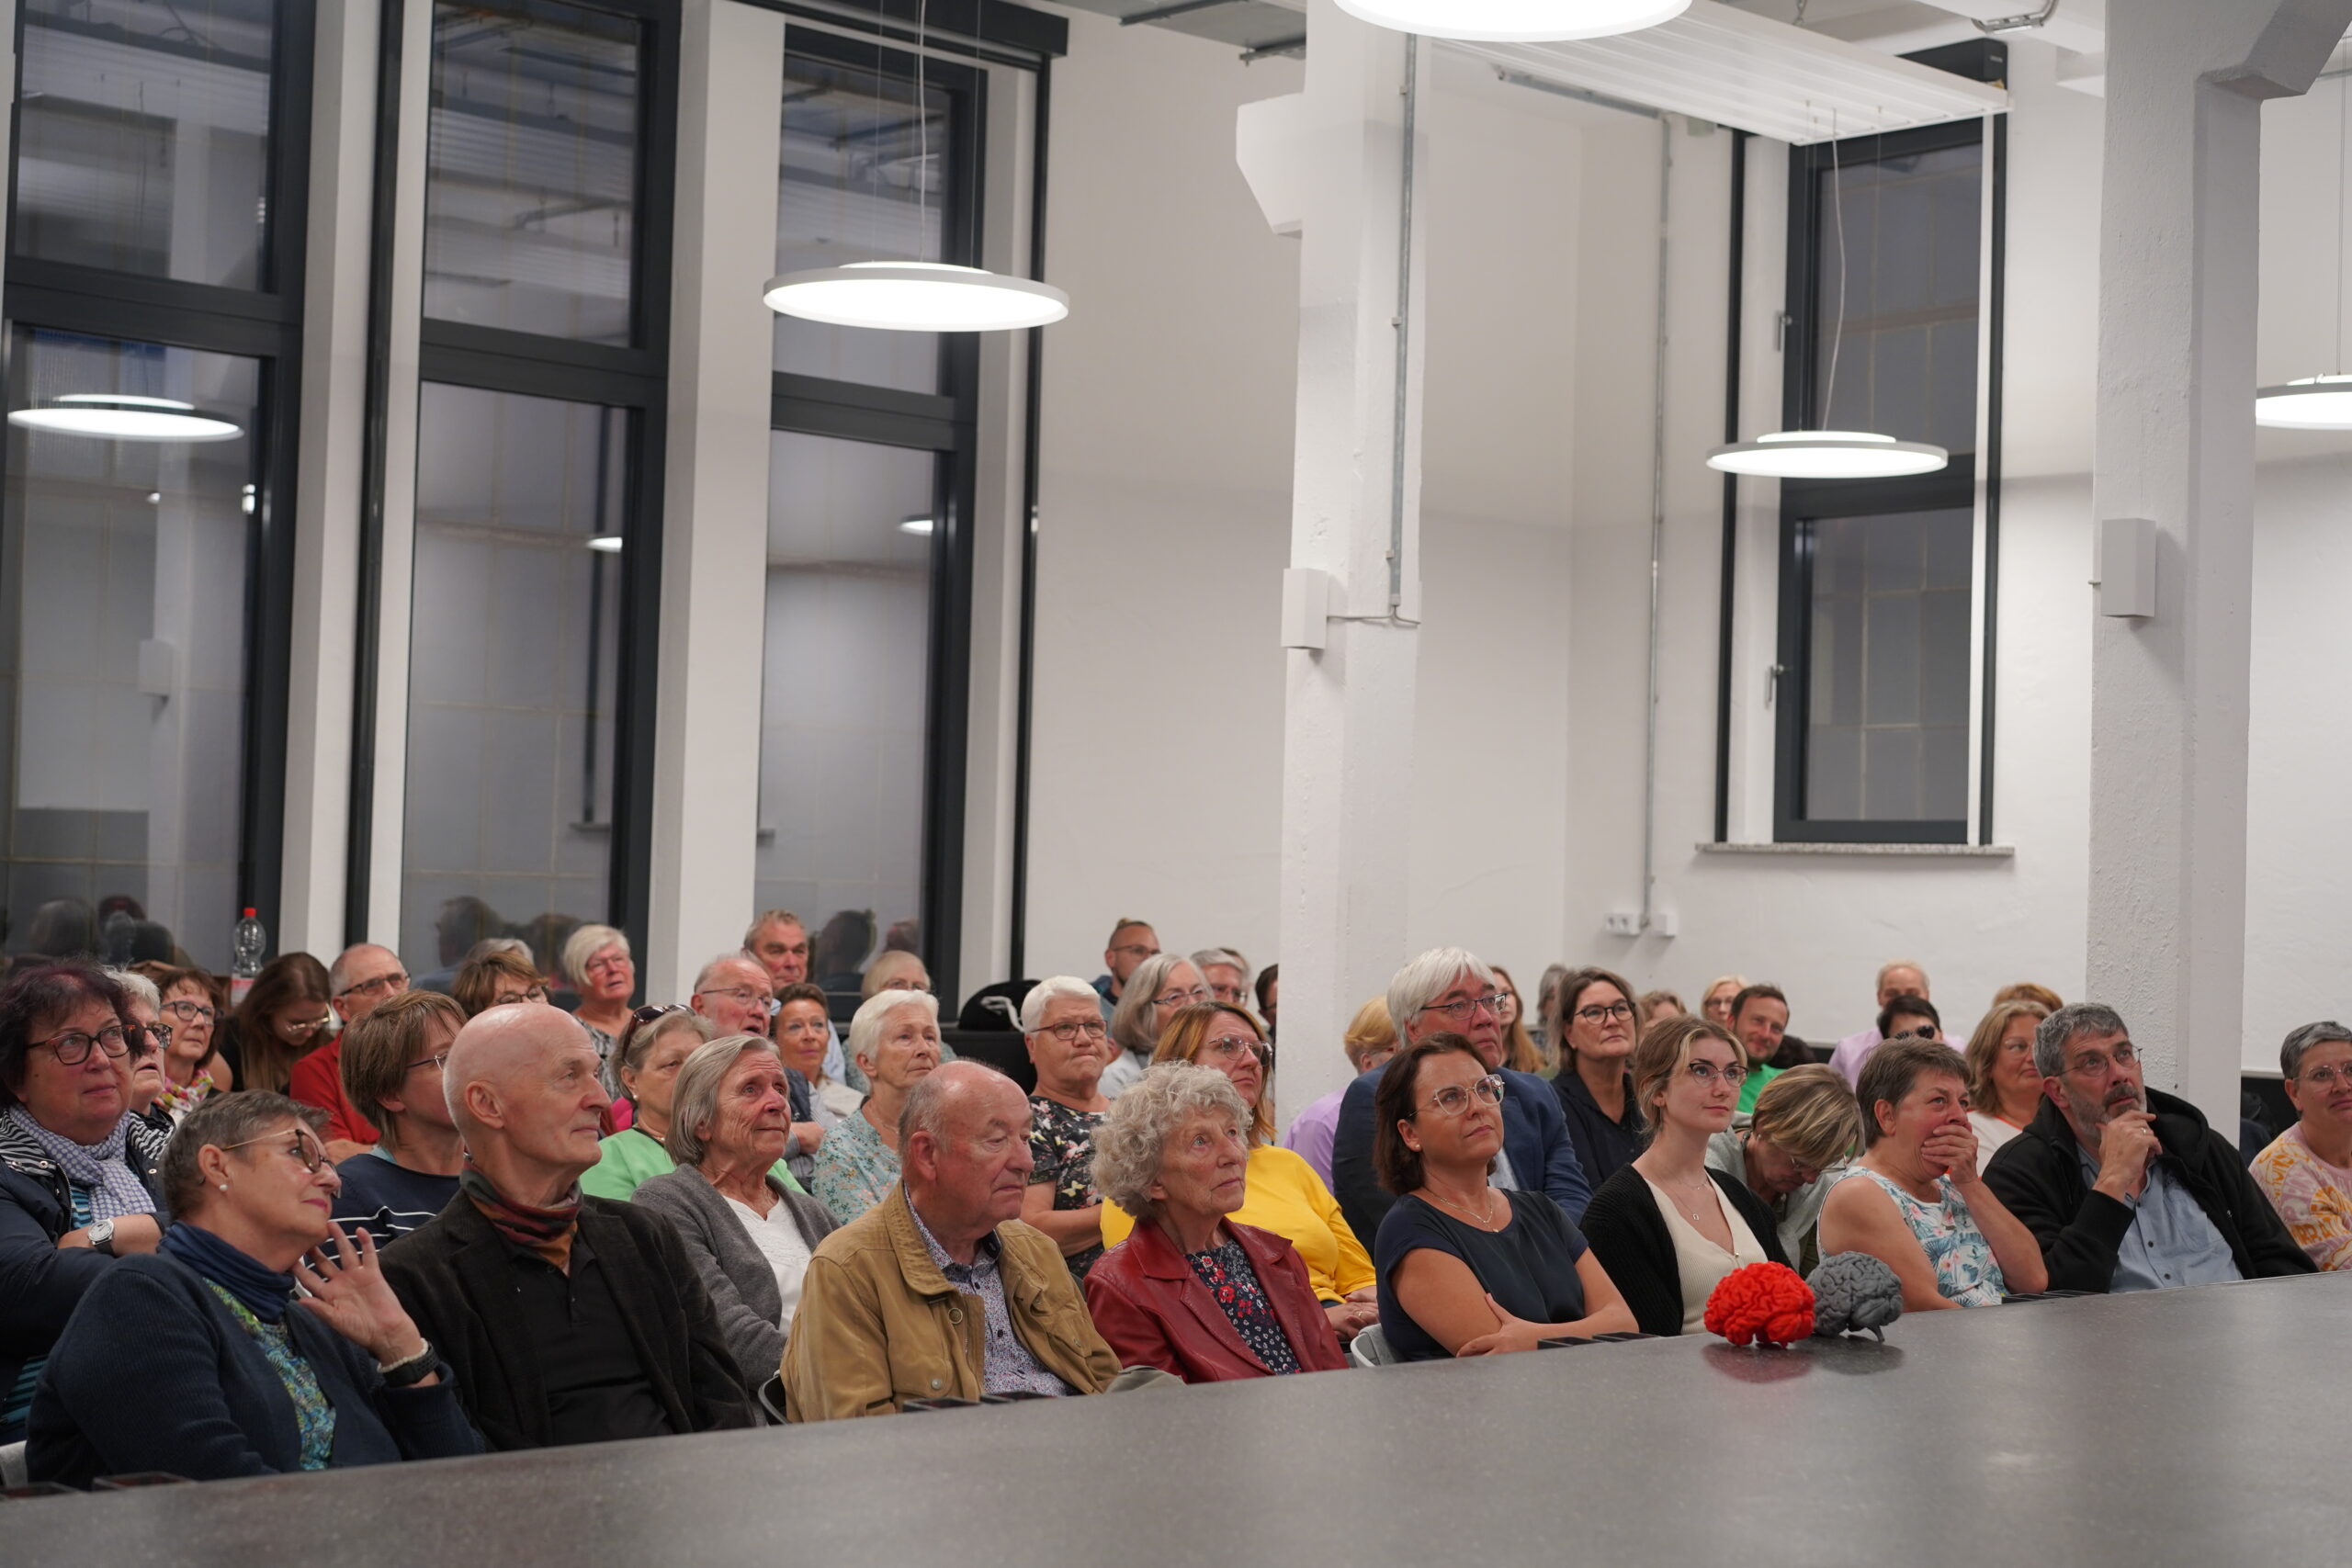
1853,1292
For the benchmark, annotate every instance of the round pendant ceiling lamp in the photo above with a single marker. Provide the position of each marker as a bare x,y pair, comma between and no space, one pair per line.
1829,455
2315,403
111,416
1515,21
916,296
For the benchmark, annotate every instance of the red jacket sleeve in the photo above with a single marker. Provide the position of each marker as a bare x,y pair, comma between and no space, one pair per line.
316,1080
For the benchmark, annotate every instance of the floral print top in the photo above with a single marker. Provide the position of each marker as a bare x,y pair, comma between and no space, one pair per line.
2311,1196
1225,1269
1966,1270
314,1417
1061,1143
856,1169
177,1099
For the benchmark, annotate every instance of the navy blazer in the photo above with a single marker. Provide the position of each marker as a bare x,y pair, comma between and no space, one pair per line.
155,1373
1535,1140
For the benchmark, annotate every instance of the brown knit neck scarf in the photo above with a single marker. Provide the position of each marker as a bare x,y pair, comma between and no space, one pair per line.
547,1231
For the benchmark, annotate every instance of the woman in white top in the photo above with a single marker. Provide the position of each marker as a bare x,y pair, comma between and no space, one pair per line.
2003,1085
748,1235
1665,1228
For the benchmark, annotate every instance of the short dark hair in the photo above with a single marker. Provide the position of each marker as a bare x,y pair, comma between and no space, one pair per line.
221,1121
1906,1006
1750,993
40,991
803,991
475,986
1397,1098
1894,1068
1573,985
1266,978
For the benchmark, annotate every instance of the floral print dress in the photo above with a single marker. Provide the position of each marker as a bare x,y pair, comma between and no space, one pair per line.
1225,1269
2311,1196
1966,1270
1061,1145
856,1169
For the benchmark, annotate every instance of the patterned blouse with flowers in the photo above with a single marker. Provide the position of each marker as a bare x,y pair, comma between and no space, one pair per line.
856,1169
1225,1269
1061,1143
1966,1270
2311,1196
177,1099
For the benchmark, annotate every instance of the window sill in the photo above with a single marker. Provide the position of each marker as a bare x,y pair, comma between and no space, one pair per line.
1946,851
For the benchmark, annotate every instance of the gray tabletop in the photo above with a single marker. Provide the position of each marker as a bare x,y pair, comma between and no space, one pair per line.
2198,1425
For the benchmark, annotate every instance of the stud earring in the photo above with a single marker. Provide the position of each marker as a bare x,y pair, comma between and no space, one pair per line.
224,1187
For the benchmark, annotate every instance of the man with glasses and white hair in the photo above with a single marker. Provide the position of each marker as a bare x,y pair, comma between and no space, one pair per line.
361,979
732,991
2127,1188
1061,1019
1448,991
1227,974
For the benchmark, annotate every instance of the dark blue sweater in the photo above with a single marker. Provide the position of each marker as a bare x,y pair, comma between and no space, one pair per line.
154,1373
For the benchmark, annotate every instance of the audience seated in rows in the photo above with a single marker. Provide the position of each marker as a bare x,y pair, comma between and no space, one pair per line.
2127,1188
894,1040
1806,1125
1062,1029
1467,1268
2003,1085
1448,990
282,1019
197,1360
2306,1172
1668,1226
564,1318
939,1292
654,1044
78,1173
1193,1291
749,1235
1370,1041
1916,1200
360,980
1157,988
1896,977
596,965
1597,1032
392,1062
1284,1197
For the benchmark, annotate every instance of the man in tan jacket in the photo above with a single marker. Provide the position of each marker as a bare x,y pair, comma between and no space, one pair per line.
938,1292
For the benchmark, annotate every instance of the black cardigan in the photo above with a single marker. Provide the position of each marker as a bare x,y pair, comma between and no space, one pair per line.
155,1373
2038,1177
1629,1235
454,1275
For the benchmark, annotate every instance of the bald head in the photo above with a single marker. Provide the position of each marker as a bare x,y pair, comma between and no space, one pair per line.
523,1089
954,1098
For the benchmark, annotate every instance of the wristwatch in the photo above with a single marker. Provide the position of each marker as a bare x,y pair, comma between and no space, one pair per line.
413,1370
101,1237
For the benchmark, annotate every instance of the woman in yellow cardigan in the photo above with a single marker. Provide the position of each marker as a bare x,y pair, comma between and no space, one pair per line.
1285,1195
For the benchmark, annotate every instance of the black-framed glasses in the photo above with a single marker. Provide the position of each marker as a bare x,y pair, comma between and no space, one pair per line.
1600,1014
1460,1012
305,1147
1071,1034
190,1012
1454,1098
381,985
512,998
73,1047
161,1033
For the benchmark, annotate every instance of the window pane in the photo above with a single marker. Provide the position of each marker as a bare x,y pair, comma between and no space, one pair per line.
513,665
122,658
531,188
143,137
1887,708
1906,364
864,178
843,722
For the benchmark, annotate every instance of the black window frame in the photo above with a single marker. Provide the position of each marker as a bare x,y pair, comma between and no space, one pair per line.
634,378
264,324
1804,503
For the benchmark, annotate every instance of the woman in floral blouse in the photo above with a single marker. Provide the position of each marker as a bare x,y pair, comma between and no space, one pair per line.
894,1039
1062,1019
2307,1172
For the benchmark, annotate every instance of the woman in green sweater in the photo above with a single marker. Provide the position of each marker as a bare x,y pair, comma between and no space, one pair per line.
647,1059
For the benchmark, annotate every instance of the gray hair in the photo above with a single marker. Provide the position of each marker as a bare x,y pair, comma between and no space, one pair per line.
220,1122
141,988
2291,1054
1226,956
1425,979
339,972
1131,1020
2051,1035
584,944
1045,993
1132,1143
887,967
696,1099
645,1036
866,1024
710,971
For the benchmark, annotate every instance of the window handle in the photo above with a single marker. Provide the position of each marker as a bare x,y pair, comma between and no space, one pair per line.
1772,682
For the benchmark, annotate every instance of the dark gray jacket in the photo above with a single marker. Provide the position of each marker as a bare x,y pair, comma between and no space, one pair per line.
733,1269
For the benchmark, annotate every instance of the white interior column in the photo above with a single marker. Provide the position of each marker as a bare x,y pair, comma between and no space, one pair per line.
2174,445
715,496
1328,164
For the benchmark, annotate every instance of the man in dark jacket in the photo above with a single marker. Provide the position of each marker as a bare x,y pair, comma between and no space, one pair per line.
566,1319
2127,1189
1447,990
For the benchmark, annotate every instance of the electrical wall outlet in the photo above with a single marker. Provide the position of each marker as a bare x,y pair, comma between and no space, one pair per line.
1621,922
1668,923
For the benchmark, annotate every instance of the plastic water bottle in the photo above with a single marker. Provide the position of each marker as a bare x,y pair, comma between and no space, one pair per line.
245,948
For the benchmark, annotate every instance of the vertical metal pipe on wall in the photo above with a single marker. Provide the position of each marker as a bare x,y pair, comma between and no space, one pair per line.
1657,527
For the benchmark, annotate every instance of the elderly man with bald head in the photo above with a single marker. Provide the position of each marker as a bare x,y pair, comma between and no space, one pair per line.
362,978
939,1292
566,1319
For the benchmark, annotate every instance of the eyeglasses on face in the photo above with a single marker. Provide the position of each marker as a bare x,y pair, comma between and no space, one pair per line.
510,996
2325,1077
1136,951
609,964
73,1047
190,1012
744,995
1461,1011
2095,1065
438,1060
1454,1098
1598,1013
1232,1048
304,1147
1071,1034
1730,1073
304,1029
381,985
1176,999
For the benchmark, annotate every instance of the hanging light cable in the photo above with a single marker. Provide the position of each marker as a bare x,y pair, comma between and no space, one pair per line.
917,296
1515,21
2319,402
1830,454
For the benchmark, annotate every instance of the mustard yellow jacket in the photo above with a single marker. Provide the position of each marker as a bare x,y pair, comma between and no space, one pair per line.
878,1324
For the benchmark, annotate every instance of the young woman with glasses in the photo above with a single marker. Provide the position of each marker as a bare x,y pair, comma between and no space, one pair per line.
283,1018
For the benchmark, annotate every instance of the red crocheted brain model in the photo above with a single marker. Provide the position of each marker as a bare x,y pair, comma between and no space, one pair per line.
1764,1302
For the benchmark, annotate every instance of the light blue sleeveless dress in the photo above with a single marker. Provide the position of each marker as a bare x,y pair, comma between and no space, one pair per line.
1966,1270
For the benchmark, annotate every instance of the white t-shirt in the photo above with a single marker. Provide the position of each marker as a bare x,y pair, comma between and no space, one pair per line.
1991,1134
779,1242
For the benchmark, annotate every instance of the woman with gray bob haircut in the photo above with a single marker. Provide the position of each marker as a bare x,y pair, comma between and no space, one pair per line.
1189,1290
1155,993
2306,1172
749,1233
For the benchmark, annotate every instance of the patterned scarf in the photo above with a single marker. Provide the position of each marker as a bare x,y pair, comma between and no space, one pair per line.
115,1189
253,1285
547,1231
177,1099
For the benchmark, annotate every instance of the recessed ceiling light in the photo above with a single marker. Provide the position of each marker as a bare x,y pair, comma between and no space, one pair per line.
114,417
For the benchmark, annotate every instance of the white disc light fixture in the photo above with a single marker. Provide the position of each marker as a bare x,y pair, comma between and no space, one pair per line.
112,416
1829,455
2315,403
916,296
1515,21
